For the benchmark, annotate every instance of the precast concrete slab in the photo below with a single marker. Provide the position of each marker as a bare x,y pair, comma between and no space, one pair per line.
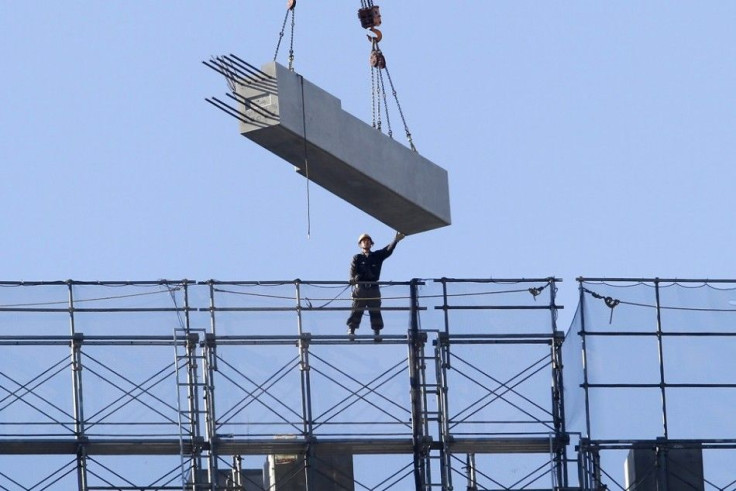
306,126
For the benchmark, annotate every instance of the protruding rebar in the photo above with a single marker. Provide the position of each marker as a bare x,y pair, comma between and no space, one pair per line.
230,111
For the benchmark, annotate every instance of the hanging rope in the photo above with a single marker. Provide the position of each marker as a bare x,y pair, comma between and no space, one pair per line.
290,10
610,302
306,156
172,292
536,291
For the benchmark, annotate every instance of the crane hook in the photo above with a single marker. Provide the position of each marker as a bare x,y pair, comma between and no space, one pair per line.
377,39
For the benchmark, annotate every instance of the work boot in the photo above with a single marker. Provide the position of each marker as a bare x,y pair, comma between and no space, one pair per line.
351,333
377,335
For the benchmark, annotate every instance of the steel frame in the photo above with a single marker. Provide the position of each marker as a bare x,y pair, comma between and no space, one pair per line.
664,322
431,394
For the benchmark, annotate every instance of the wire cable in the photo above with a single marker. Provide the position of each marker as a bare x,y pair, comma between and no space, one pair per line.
306,157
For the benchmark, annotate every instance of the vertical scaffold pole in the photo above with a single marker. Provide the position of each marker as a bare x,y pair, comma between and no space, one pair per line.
443,364
208,389
660,352
592,468
76,365
307,427
558,413
415,353
208,371
470,467
584,354
442,357
192,340
558,391
597,476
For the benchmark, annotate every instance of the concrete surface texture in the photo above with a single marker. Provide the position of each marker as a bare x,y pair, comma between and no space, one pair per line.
307,127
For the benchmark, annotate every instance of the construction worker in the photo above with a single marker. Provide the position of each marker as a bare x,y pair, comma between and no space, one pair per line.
365,270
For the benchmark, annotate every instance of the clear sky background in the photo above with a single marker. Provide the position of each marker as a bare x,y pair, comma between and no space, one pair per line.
581,139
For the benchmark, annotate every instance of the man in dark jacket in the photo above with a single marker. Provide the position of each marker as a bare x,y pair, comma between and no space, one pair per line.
365,270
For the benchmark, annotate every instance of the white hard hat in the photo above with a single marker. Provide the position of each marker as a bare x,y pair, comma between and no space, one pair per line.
364,236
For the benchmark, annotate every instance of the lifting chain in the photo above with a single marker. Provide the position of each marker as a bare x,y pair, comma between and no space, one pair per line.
370,18
290,9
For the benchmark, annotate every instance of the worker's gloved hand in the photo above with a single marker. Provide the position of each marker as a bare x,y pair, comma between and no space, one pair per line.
399,236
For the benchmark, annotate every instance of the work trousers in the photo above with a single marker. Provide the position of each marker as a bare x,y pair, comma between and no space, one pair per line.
366,297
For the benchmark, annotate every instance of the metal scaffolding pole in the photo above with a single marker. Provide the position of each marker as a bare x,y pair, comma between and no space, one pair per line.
558,391
660,356
306,390
76,365
442,363
416,347
209,355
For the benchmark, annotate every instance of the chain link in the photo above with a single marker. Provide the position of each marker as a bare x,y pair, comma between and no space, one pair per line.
292,11
370,20
373,96
401,113
291,45
377,99
281,36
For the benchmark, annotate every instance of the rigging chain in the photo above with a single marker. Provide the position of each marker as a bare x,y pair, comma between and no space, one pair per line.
290,9
370,18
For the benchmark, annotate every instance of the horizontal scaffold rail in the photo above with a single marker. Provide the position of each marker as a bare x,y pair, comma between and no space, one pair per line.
270,446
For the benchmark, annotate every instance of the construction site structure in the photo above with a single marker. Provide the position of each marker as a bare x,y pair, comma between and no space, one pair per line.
170,384
250,385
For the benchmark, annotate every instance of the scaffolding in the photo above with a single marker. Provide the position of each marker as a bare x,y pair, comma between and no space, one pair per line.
657,372
193,385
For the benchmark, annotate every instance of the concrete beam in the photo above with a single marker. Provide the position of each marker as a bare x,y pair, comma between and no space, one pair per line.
306,126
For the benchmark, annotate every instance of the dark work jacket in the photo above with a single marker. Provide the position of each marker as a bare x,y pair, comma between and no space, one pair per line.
367,267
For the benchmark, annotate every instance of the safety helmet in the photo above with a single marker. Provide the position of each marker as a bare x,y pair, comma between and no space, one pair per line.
364,236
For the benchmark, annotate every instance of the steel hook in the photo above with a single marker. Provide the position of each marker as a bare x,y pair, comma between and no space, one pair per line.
377,39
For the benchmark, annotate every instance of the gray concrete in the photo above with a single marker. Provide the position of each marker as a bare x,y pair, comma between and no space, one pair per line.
329,472
673,469
307,127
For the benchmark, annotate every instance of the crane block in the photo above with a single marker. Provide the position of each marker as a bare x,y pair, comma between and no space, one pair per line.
370,17
307,127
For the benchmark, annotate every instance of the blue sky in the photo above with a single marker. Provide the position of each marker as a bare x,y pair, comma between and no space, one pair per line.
580,138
